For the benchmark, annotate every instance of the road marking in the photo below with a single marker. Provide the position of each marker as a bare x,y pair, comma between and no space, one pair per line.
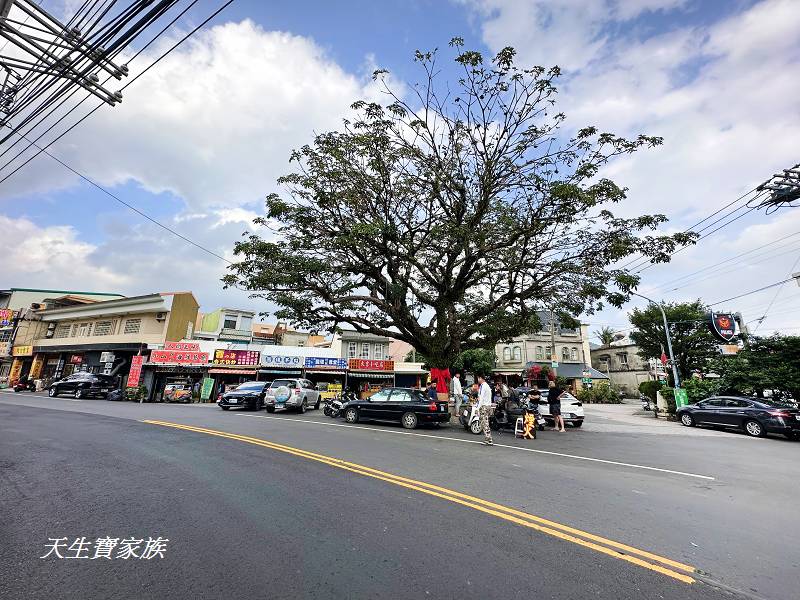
600,544
38,395
452,439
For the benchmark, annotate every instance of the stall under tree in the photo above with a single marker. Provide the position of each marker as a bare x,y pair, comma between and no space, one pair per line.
448,216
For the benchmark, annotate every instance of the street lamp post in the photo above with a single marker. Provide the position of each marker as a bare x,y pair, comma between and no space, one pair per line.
669,339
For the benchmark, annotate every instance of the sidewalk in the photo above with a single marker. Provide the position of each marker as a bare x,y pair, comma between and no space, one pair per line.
630,418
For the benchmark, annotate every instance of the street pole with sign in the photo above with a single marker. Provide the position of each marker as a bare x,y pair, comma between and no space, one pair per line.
669,338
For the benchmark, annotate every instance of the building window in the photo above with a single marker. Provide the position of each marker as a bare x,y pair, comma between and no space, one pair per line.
246,323
565,354
351,350
104,328
548,351
573,353
365,350
63,330
506,354
84,330
380,351
132,326
229,322
517,353
623,358
605,362
539,353
74,329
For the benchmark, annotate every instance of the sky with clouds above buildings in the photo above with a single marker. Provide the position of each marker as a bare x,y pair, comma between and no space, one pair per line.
200,140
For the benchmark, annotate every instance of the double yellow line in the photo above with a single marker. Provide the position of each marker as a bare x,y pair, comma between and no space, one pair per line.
642,558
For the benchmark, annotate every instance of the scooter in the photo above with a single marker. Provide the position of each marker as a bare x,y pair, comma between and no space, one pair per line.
25,386
645,402
469,417
333,408
507,412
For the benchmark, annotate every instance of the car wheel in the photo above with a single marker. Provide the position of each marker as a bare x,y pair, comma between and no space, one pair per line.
577,423
78,394
52,392
270,409
754,428
409,420
303,407
224,407
687,420
475,427
351,415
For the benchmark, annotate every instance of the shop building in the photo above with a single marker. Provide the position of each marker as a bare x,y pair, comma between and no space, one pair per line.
103,337
230,325
623,365
19,325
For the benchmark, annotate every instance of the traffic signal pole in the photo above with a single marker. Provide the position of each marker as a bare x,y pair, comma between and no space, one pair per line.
669,338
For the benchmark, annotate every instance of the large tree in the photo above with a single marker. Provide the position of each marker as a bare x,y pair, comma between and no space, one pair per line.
692,342
767,363
448,215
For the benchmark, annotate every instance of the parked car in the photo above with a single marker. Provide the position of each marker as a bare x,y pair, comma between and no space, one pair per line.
295,394
571,408
407,406
756,416
250,394
83,385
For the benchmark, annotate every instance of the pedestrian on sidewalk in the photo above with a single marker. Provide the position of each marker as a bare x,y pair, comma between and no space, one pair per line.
484,408
458,393
432,390
554,394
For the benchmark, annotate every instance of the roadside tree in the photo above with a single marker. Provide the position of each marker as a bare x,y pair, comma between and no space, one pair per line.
767,364
447,216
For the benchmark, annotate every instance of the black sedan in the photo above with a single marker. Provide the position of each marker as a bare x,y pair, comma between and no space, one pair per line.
404,405
83,385
248,395
756,416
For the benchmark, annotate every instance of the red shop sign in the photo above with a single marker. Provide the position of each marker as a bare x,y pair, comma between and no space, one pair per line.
182,346
181,358
361,364
136,371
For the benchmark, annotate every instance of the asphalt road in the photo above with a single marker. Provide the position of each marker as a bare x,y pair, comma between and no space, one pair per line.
249,513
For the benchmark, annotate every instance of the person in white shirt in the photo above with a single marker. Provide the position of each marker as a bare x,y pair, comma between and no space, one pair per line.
458,393
484,409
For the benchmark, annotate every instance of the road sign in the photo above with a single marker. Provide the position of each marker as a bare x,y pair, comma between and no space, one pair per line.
554,364
681,397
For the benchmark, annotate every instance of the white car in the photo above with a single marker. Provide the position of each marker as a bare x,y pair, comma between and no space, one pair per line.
295,394
571,409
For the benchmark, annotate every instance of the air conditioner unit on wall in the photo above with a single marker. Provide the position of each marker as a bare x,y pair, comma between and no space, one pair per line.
161,316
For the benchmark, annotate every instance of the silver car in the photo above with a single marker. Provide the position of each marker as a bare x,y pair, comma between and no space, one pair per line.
294,394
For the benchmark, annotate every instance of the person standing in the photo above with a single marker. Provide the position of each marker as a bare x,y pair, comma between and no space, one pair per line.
554,394
432,391
484,407
458,393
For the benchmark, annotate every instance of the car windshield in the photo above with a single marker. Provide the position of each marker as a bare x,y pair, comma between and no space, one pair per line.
251,386
279,382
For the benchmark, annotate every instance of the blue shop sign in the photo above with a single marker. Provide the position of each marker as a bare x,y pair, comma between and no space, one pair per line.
278,361
318,362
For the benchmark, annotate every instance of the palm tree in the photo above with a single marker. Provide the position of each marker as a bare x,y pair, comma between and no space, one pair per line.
605,335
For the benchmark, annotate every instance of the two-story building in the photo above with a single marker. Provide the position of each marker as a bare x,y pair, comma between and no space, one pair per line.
623,365
555,344
102,337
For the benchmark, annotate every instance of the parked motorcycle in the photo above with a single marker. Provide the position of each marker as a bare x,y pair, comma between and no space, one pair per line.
508,411
645,402
25,386
333,407
469,418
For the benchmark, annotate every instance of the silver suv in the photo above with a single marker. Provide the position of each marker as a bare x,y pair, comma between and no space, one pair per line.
296,394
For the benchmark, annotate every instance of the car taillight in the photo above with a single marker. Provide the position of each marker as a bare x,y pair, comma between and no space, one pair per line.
432,407
778,413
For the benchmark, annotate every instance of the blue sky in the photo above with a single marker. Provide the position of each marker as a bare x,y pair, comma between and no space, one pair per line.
200,140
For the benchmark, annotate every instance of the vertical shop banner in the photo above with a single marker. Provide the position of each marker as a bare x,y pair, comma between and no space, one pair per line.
36,367
16,371
207,389
136,371
681,397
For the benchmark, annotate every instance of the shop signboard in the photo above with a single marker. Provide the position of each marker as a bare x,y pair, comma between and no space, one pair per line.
681,397
278,361
362,364
207,389
36,367
179,357
107,357
182,346
723,326
76,359
136,371
22,351
7,317
16,370
248,358
323,364
5,348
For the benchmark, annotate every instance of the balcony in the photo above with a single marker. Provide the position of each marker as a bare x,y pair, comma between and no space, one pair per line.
239,335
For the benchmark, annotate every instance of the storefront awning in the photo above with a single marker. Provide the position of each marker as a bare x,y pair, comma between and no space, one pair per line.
324,372
232,371
372,375
281,371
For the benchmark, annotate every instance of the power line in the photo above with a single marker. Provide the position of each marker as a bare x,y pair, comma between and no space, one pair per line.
766,287
775,297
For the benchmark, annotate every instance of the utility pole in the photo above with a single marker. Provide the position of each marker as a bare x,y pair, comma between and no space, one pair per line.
553,354
669,338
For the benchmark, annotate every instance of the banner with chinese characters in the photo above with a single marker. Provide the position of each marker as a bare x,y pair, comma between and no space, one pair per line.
36,367
248,358
7,317
178,357
182,346
362,364
22,351
321,364
277,361
207,389
136,371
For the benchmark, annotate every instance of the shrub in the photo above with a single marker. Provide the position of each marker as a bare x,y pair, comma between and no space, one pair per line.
600,393
649,388
135,393
669,395
700,389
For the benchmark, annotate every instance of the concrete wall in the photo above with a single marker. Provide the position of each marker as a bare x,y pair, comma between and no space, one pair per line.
183,314
151,331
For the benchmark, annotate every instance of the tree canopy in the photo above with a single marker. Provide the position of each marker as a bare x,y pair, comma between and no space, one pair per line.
605,335
767,363
693,345
448,215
